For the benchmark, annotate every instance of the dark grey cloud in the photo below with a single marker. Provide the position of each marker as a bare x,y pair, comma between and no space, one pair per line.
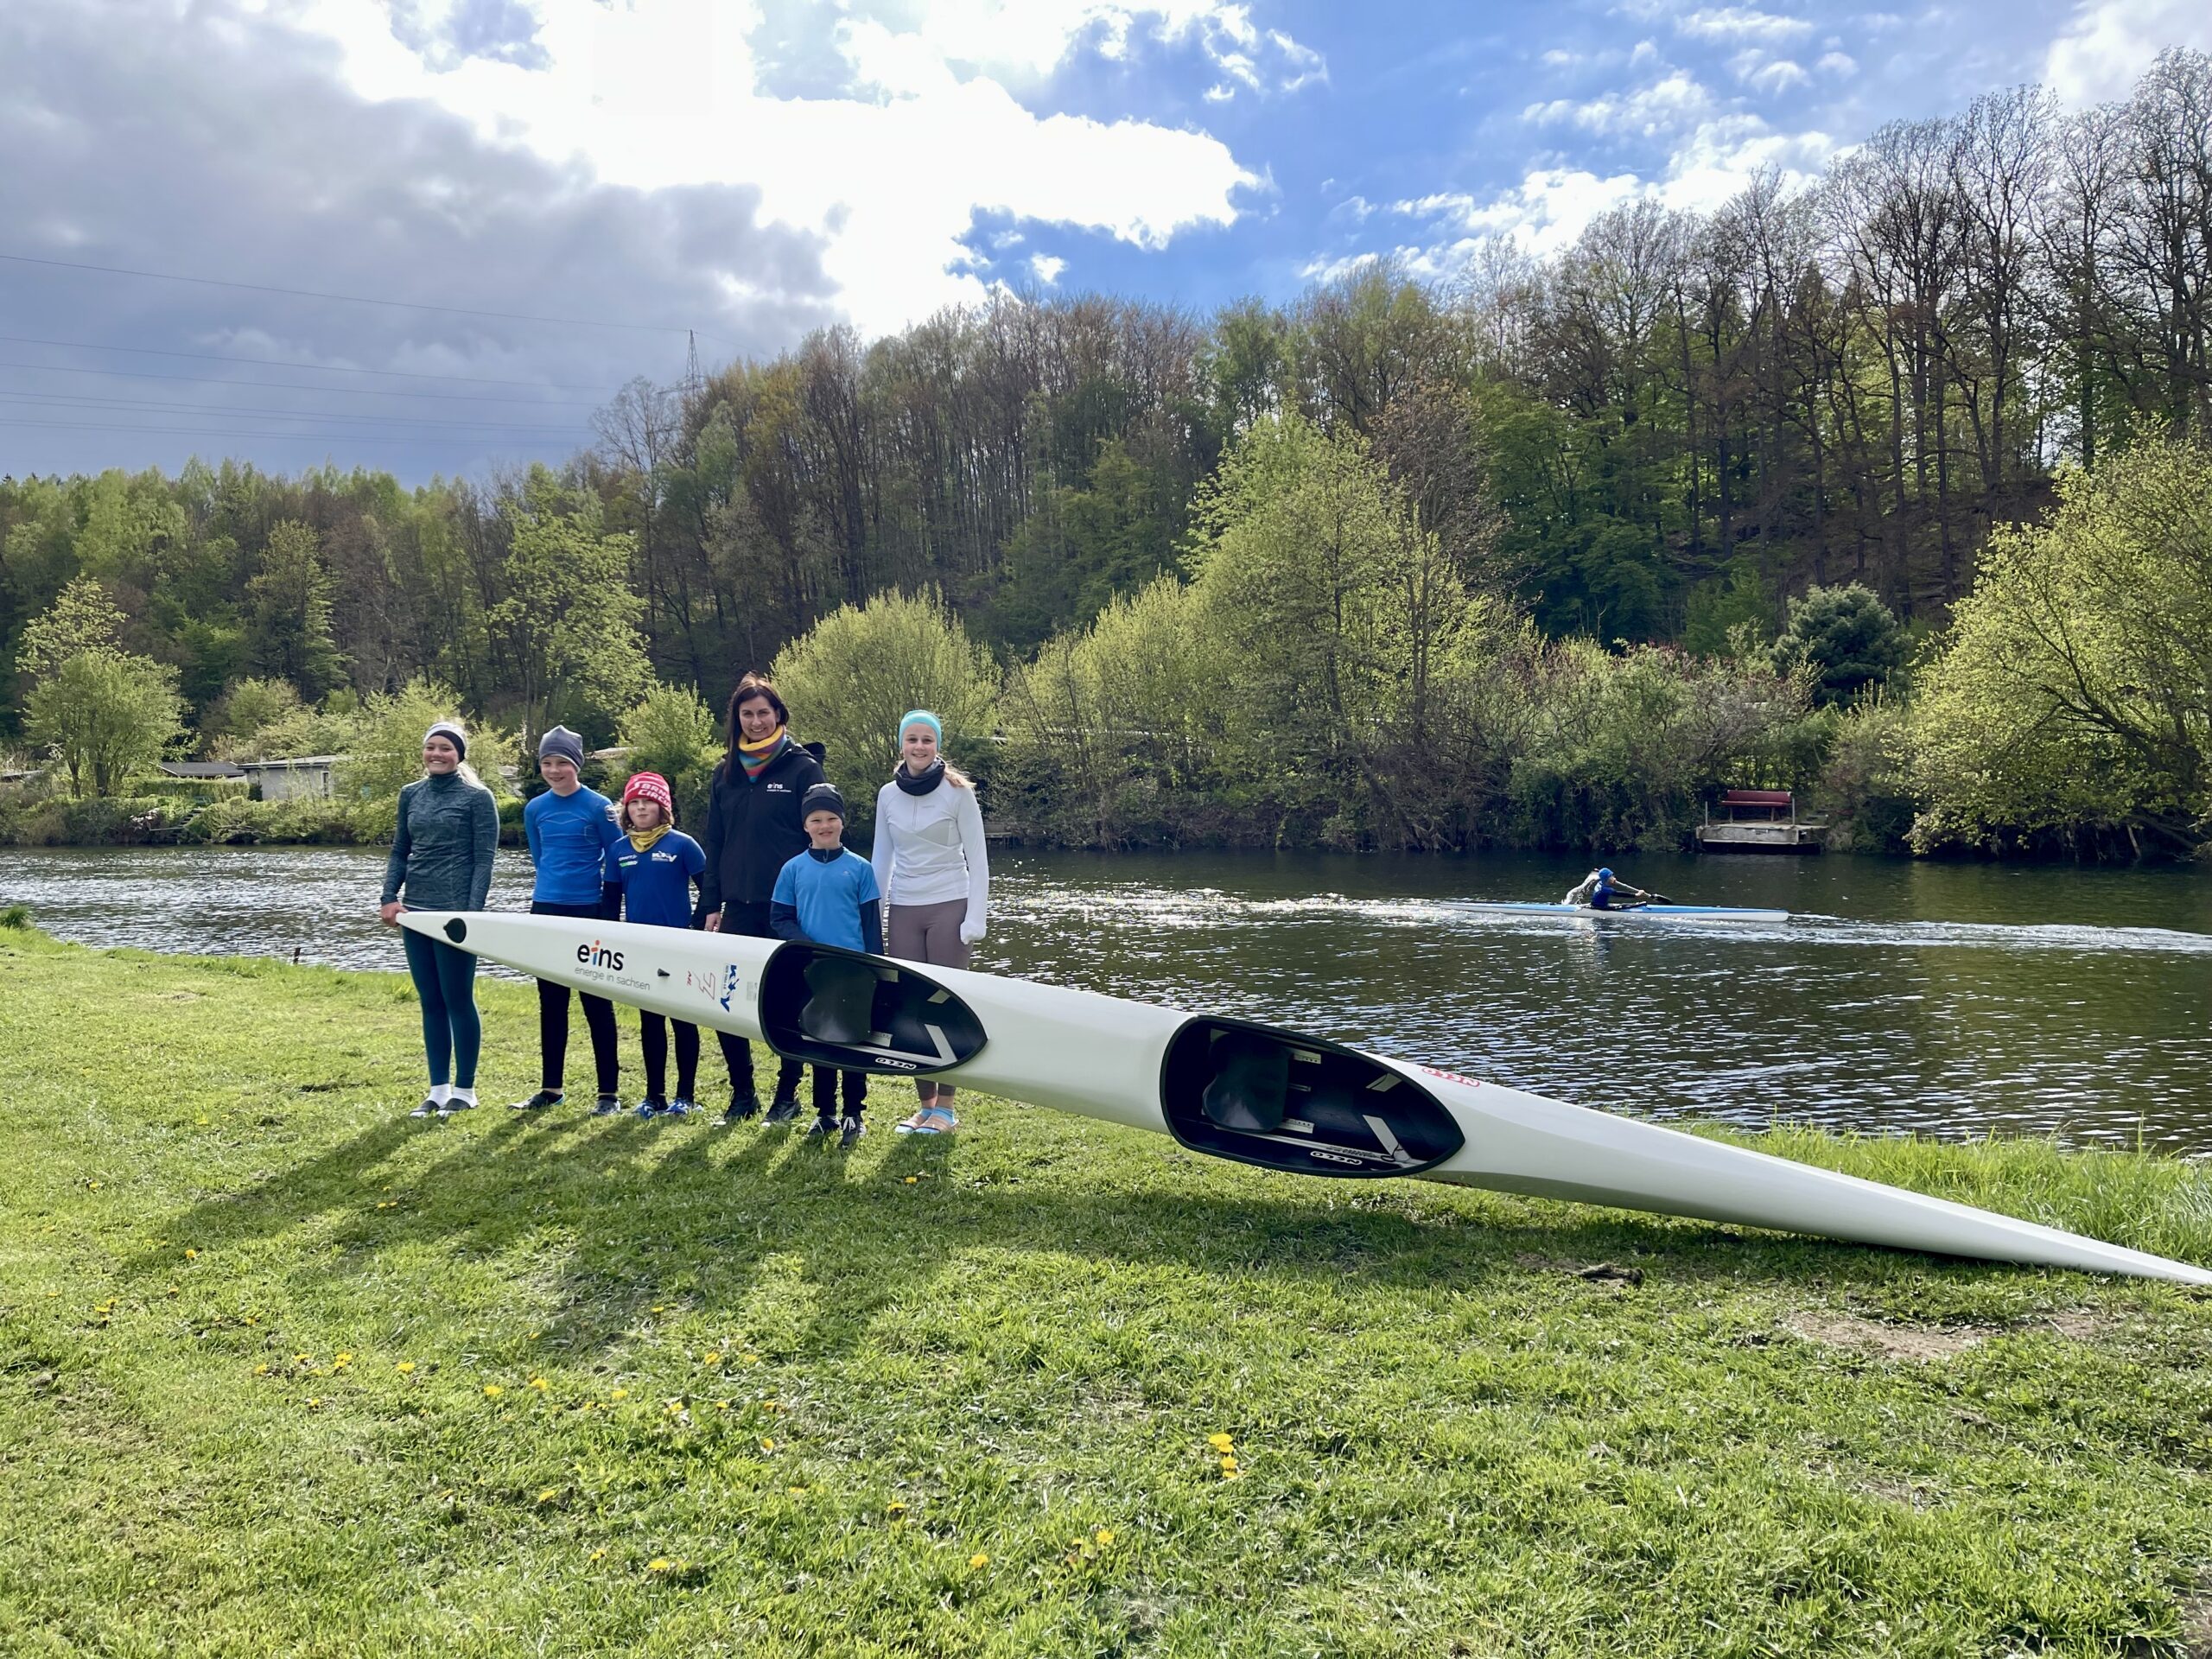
214,145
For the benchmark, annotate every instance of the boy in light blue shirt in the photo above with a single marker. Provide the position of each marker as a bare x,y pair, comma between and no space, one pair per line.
828,895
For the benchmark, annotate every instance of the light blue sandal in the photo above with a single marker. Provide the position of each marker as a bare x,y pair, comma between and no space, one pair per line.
931,1120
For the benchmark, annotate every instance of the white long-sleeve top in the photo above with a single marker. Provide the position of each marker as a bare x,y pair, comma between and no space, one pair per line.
929,850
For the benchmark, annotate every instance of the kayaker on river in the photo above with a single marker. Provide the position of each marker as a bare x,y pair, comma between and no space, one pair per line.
1599,891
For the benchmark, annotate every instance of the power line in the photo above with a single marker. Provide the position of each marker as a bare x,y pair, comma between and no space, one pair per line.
128,404
347,299
281,385
281,362
211,432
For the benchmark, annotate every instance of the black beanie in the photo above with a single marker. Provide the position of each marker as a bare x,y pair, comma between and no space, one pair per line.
821,797
450,730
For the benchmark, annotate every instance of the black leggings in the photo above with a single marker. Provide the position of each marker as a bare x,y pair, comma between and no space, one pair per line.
751,921
653,1030
827,1080
553,1019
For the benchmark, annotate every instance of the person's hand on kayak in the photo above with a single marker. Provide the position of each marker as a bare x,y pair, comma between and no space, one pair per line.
390,913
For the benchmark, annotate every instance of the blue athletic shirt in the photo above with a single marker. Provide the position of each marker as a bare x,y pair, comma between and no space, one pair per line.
828,897
569,839
657,884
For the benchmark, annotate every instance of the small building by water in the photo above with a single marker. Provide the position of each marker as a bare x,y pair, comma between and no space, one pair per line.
307,776
1758,821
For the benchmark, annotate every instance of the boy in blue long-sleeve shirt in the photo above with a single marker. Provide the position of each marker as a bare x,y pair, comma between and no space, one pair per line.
571,830
827,895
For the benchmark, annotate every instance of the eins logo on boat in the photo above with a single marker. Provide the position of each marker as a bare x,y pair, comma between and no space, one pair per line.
596,955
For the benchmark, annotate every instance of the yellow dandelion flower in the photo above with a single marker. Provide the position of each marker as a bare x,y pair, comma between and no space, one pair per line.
722,1405
658,1564
767,1445
261,1371
796,1491
92,1186
492,1390
771,1405
1228,1463
894,1508
978,1561
710,1357
1104,1536
599,1554
620,1394
660,1307
532,1335
549,1495
302,1359
200,1121
192,1255
1221,1442
911,1179
405,1367
342,1359
753,1359
539,1384
314,1402
1232,1474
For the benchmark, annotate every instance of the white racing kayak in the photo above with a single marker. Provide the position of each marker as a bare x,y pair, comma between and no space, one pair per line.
1627,913
1251,1093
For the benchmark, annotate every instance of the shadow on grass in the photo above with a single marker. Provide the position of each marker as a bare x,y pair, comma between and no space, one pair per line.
651,1206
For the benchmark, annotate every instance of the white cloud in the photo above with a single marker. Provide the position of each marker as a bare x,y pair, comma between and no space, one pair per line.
1841,64
666,93
1755,69
1741,23
1667,106
1551,206
2110,42
1047,268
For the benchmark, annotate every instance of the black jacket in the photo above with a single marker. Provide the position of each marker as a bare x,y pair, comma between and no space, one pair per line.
753,826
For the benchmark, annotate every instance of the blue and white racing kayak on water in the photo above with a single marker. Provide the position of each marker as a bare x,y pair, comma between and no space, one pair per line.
1234,1089
1650,912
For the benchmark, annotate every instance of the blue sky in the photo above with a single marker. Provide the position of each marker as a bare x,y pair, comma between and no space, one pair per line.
608,173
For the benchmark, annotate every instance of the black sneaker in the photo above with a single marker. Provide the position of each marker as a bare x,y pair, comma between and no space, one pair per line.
538,1102
850,1131
740,1108
651,1106
782,1109
428,1108
609,1106
456,1104
822,1128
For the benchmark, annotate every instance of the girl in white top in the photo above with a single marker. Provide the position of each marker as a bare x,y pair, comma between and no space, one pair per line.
934,874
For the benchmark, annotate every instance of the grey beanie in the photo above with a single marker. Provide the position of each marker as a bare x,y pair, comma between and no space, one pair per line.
450,730
821,797
563,743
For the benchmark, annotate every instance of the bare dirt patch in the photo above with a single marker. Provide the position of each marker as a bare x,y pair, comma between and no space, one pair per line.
2196,1622
1902,1342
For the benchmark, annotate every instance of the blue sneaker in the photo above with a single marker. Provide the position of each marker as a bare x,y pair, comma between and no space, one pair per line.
680,1107
651,1106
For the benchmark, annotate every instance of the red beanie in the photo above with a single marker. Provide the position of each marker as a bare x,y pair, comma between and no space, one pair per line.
650,786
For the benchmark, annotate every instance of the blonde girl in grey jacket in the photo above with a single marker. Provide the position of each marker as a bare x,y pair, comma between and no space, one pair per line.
934,874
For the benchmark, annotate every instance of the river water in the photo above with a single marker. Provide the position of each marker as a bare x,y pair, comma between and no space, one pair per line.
1948,999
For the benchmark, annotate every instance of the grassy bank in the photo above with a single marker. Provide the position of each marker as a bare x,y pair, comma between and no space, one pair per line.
281,1371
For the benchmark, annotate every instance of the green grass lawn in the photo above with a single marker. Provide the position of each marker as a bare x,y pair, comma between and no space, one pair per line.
282,1371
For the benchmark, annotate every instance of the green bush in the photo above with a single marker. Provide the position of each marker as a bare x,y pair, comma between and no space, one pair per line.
307,820
195,791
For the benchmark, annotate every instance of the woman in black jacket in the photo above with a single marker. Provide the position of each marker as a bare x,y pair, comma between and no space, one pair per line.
753,827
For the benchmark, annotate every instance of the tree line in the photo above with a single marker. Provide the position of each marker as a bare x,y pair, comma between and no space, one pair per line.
1643,451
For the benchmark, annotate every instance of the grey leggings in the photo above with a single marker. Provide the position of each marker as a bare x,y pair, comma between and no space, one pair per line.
930,933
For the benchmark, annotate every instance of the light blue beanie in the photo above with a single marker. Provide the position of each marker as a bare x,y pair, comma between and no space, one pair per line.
921,717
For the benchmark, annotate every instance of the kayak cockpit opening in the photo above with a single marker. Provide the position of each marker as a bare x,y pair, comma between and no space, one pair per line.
865,1014
1273,1097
